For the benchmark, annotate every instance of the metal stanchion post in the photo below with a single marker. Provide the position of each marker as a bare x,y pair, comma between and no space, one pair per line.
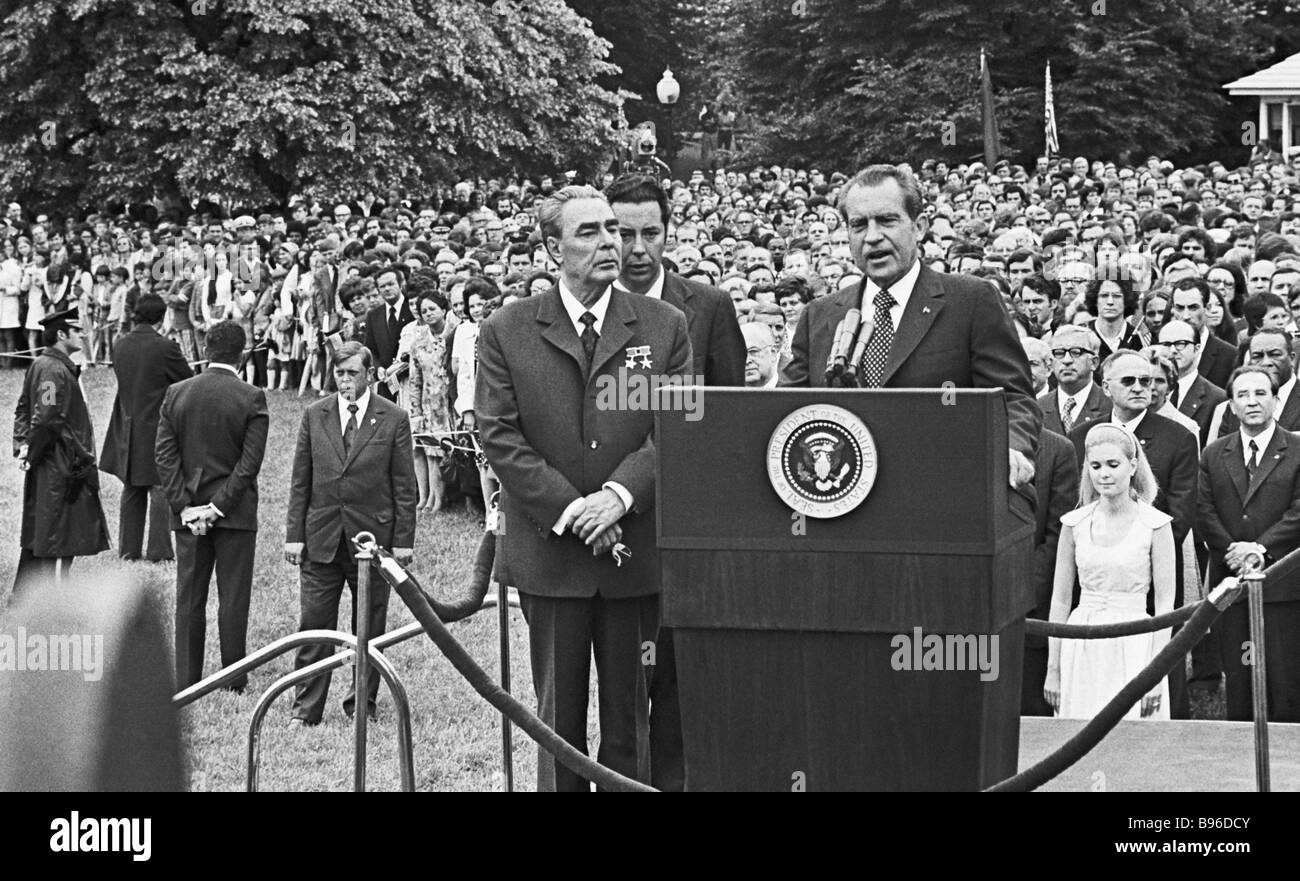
507,745
1254,578
361,682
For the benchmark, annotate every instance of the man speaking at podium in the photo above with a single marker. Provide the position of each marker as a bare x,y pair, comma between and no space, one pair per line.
922,329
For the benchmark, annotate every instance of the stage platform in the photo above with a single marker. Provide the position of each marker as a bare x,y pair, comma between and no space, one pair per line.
1192,756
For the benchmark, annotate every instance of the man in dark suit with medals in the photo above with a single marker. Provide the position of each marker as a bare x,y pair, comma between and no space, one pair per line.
577,476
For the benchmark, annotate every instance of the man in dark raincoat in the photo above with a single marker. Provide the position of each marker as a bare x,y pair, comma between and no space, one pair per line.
55,443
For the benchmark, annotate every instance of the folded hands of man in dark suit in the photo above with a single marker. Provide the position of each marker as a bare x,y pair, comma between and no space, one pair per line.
596,522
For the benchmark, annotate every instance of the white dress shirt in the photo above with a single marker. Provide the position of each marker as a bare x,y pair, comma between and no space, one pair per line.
656,290
361,402
900,290
1080,398
1261,440
1185,385
574,307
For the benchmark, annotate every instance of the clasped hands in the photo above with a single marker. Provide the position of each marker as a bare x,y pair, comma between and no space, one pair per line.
199,518
596,522
1239,551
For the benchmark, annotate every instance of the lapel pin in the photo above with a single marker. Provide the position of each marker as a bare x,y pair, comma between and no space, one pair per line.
925,310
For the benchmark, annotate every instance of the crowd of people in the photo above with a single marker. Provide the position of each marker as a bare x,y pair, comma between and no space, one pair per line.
1156,309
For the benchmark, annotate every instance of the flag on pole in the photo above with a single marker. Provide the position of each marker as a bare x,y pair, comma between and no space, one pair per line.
1049,119
991,145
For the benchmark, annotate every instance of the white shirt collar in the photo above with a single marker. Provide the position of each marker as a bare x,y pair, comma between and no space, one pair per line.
1185,386
1283,395
901,291
1080,398
362,403
656,291
1261,440
574,307
1132,425
220,366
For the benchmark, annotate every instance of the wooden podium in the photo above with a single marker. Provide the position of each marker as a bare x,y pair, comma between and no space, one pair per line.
790,631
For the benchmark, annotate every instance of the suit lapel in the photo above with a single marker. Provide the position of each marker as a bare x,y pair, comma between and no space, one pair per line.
329,424
365,431
616,330
559,330
1268,459
1235,465
1289,418
1195,395
1095,406
676,293
919,314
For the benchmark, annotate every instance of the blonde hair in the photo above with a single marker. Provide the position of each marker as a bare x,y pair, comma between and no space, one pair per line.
1142,487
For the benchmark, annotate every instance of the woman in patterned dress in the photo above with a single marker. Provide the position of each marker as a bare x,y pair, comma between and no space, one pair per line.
426,392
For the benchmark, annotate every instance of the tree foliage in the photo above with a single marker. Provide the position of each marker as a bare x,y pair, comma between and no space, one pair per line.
258,99
845,82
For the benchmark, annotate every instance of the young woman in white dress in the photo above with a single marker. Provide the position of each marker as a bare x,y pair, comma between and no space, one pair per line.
1120,547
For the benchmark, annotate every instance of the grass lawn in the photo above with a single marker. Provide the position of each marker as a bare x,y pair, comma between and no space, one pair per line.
456,735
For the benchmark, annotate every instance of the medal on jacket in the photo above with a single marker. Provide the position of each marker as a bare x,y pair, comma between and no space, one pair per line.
637,354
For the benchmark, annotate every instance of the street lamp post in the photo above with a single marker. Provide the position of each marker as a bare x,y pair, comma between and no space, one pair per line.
669,90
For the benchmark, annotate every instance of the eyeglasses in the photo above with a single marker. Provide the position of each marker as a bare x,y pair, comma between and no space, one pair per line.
1178,344
1128,381
1073,352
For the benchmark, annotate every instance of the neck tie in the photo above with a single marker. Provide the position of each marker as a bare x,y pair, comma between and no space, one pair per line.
350,430
1253,462
877,353
1173,394
588,337
392,321
1067,417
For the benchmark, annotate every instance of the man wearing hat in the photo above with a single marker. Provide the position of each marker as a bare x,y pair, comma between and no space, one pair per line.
55,444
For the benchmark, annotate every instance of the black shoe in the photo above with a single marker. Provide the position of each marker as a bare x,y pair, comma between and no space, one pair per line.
373,714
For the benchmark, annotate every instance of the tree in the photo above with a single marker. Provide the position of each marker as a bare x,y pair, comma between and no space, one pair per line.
844,82
258,99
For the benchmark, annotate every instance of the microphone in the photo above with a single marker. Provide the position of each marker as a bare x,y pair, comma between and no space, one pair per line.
843,342
864,336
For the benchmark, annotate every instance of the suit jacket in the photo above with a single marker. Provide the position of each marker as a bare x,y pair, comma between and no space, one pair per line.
1265,509
1171,452
1056,480
145,364
211,438
1217,361
954,330
324,299
1095,406
553,434
1199,403
716,341
333,495
379,339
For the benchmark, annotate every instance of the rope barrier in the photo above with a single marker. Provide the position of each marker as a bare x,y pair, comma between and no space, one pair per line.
1074,749
424,608
1038,627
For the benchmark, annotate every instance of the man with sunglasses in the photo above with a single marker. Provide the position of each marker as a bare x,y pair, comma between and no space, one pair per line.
1171,451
